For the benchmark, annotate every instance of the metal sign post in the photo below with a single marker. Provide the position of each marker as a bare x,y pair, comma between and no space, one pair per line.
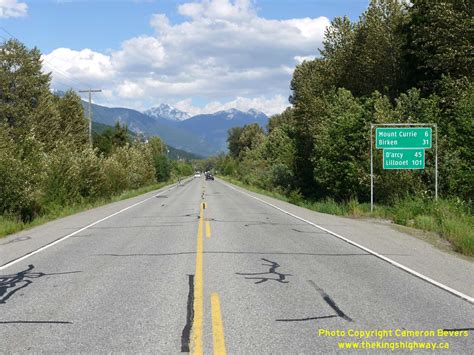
404,148
371,169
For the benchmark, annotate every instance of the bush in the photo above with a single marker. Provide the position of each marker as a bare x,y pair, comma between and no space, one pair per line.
92,181
425,222
354,208
450,218
137,163
180,169
18,195
329,206
73,176
162,168
281,175
295,197
19,181
116,176
460,234
405,210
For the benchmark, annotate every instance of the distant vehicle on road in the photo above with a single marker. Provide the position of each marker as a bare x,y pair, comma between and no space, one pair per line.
209,176
197,174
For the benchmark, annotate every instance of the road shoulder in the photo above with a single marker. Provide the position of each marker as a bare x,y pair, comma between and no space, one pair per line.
19,244
417,254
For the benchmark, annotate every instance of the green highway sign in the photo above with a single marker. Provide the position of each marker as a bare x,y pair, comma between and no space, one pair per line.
403,137
403,158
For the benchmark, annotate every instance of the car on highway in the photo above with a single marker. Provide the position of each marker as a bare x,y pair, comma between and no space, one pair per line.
197,174
209,176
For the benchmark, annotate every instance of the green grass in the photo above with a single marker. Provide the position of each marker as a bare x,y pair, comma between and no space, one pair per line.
450,219
10,225
427,223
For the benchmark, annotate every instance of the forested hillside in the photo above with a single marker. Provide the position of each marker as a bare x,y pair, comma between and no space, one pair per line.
204,134
46,159
400,62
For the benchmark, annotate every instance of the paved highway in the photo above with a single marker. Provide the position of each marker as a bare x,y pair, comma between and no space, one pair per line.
205,268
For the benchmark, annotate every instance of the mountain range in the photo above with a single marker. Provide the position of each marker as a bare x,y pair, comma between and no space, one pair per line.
204,135
168,112
172,152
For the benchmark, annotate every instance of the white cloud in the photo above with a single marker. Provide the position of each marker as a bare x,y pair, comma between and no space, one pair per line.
218,9
139,54
85,65
269,106
310,28
129,90
160,23
12,8
300,59
224,53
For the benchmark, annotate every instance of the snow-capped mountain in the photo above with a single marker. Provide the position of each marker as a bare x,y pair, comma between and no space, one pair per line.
212,128
257,114
205,134
234,113
168,112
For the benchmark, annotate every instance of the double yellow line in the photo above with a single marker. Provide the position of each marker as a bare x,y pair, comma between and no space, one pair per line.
196,339
217,326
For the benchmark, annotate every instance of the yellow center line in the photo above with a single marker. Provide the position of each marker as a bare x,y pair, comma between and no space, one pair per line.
196,339
198,306
208,230
217,327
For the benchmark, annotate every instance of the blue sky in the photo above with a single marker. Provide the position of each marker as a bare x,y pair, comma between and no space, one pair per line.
198,55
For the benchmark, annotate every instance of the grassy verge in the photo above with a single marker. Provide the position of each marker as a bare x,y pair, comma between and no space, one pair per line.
9,225
451,219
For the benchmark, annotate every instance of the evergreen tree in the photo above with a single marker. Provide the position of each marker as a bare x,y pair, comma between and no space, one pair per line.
233,140
440,41
120,137
111,139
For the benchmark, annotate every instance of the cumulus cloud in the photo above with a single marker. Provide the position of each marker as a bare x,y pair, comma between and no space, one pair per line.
139,54
223,52
85,65
129,90
270,106
218,9
160,23
12,8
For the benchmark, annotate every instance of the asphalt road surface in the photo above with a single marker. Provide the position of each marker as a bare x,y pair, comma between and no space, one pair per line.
207,269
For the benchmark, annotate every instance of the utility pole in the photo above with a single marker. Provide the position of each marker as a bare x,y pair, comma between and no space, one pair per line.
90,91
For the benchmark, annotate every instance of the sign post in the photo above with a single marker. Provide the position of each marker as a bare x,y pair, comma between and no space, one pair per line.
403,148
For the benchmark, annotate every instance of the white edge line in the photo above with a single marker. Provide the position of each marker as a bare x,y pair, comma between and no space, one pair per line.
384,258
13,262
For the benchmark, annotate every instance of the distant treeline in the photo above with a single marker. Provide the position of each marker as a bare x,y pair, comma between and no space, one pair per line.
400,63
46,160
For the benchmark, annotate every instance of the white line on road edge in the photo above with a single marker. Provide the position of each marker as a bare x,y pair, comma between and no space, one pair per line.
10,263
384,258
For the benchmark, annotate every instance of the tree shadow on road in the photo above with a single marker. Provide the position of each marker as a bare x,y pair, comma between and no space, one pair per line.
273,266
11,284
